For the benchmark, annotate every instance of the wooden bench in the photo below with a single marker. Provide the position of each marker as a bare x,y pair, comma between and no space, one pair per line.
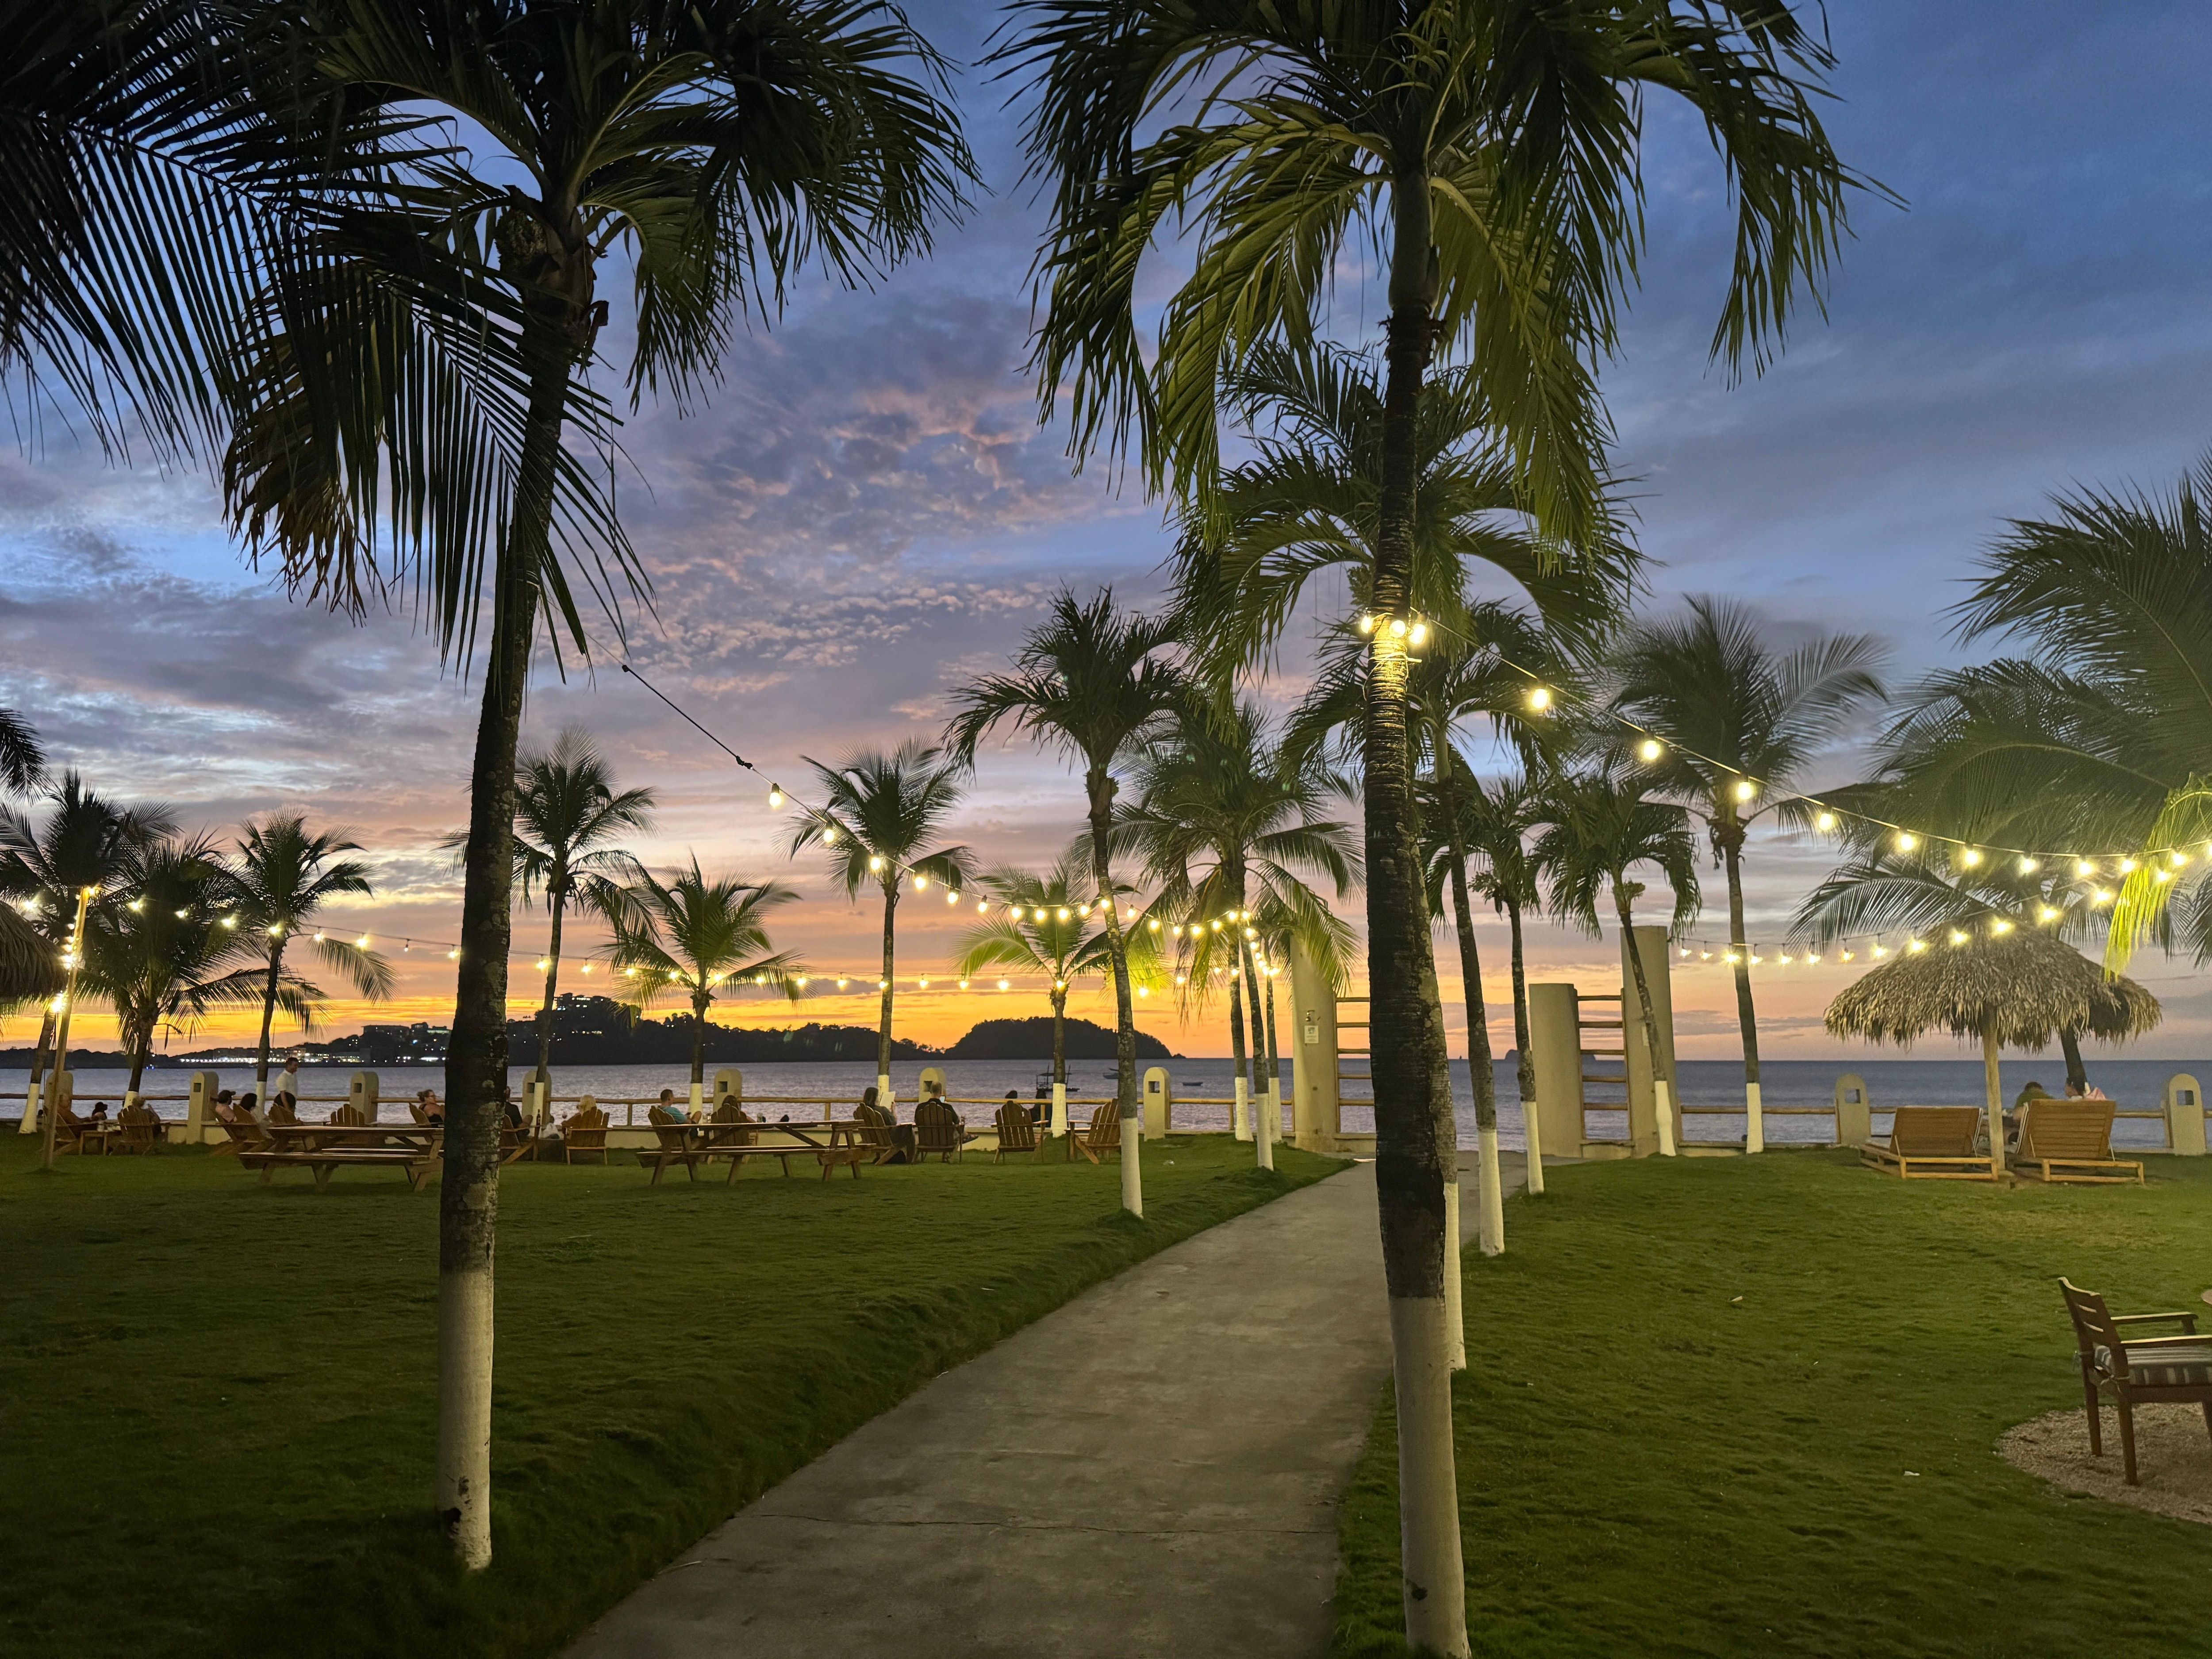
1104,1134
416,1165
1932,1143
2133,1369
2070,1142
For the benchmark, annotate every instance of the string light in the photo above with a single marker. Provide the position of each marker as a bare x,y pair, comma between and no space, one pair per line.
1969,858
1539,698
1825,822
1747,790
875,860
1958,936
1907,841
2083,868
775,797
921,884
1651,750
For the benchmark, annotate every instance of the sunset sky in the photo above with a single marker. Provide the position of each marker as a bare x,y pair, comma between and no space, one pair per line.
867,513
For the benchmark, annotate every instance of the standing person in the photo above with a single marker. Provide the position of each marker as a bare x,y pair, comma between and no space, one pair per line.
288,1080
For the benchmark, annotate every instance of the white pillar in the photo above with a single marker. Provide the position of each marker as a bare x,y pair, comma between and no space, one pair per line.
1555,1047
2185,1115
1754,1121
731,1082
1159,1107
200,1105
1314,1103
1645,1068
364,1092
1854,1110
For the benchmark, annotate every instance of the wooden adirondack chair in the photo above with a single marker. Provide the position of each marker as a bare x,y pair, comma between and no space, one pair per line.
677,1146
1104,1134
585,1133
140,1129
873,1134
2134,1369
2071,1141
1018,1131
938,1129
1932,1143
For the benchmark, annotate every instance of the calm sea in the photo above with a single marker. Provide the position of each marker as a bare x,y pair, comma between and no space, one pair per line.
2132,1083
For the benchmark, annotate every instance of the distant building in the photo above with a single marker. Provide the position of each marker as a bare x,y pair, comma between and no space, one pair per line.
418,1044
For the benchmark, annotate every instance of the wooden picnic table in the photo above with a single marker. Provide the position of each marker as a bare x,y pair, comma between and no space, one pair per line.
704,1142
323,1148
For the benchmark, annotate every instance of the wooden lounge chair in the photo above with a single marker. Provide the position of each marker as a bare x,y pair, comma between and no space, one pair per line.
938,1129
138,1129
1018,1131
678,1144
1104,1134
872,1134
2136,1369
2071,1141
245,1135
1932,1143
585,1135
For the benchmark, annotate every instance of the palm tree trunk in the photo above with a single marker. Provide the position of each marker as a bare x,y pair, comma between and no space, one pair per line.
2077,1075
1274,1059
698,1043
141,1050
1262,1130
39,1062
1754,1130
1413,1132
1661,1083
558,895
883,1020
1524,1068
1059,1037
267,1018
476,1058
1993,1099
1480,1076
1099,789
1240,1120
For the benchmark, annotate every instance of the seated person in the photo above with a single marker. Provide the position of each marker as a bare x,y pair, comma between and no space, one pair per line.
248,1109
2085,1091
99,1119
284,1108
224,1111
2026,1097
510,1113
426,1107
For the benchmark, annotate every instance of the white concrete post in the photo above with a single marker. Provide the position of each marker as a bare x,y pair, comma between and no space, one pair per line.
1854,1110
363,1094
1315,1108
730,1081
1555,1049
1754,1121
1648,1089
1160,1103
200,1105
2185,1115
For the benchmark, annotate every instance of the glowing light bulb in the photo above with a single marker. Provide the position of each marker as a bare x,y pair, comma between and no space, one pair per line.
921,884
276,930
1004,985
543,964
921,984
1144,991
2029,866
843,983
1907,841
362,943
1083,910
135,905
1063,912
2127,867
963,984
875,860
2177,858
1060,985
2162,875
1685,951
1958,936
1969,858
830,836
319,938
1879,951
1784,959
1539,698
883,985
629,973
1177,930
455,955
1813,960
2083,867
775,797
1825,821
1179,979
1756,958
1418,633
1397,628
1651,749
1747,790
1733,957
2000,926
585,969
953,897
181,915
982,907
1916,945
1846,955
2101,897
1153,926
1367,624
1704,956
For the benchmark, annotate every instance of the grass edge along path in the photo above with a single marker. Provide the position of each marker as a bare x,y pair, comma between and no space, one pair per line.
221,1397
1732,1406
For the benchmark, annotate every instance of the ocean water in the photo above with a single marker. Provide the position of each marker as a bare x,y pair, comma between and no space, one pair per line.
2136,1084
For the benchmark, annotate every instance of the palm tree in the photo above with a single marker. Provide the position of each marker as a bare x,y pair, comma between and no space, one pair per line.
85,840
1600,825
691,935
1093,682
1494,168
22,757
281,878
177,948
1737,721
880,813
566,815
725,146
1222,807
1046,925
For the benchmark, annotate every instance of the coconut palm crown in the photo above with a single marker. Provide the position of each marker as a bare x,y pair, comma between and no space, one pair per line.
1047,925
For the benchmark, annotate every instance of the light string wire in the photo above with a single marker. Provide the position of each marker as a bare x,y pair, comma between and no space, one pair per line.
1543,696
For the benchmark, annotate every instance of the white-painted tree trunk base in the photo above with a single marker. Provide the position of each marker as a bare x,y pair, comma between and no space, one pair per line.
1663,1101
1434,1573
1754,1121
29,1126
1133,1179
1264,1136
1454,1290
1491,1193
464,1370
1240,1116
1059,1108
1533,1134
1275,1107
698,1098
885,1097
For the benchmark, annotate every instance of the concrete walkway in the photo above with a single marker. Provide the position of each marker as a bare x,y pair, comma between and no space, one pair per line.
1153,1468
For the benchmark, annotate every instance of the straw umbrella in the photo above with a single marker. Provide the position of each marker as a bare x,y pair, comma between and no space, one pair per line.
2015,989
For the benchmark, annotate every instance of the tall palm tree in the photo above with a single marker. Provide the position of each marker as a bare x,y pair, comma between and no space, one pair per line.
724,146
1740,723
1493,161
280,877
1094,682
1224,818
880,813
567,815
176,949
1599,826
84,840
1047,925
692,936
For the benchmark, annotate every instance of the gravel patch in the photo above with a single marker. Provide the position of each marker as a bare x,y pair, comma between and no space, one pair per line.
2173,1458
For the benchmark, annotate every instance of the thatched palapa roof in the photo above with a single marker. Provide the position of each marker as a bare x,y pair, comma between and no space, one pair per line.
28,968
2028,985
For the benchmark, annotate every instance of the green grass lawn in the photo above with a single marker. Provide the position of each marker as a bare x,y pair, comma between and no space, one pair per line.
1750,1408
218,1400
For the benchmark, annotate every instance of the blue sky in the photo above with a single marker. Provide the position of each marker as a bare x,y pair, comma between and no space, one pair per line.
867,513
